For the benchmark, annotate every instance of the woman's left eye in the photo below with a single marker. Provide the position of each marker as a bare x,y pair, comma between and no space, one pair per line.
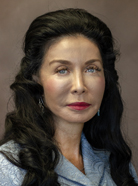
93,69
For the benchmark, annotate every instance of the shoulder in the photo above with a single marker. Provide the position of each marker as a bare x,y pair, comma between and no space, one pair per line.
133,172
10,146
101,155
10,174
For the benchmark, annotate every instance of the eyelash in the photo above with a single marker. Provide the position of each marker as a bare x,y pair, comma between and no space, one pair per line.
61,70
94,68
88,68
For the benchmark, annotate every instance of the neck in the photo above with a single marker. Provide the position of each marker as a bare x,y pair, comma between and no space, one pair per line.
68,138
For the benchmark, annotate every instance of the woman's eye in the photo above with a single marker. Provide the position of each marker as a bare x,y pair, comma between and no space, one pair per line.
62,71
93,69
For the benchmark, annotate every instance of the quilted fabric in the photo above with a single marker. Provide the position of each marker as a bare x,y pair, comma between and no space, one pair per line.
96,165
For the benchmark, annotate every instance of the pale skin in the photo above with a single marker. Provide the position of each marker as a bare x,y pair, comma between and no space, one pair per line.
72,71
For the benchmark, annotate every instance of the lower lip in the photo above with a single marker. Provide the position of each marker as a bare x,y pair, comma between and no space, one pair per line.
75,107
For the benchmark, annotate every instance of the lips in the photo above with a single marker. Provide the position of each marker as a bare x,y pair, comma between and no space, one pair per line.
79,105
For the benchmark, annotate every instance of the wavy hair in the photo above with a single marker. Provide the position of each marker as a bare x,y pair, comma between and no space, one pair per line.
34,130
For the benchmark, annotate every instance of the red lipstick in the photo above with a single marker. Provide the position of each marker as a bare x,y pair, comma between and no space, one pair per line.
79,105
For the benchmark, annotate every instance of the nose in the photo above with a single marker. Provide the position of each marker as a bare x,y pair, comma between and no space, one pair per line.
78,86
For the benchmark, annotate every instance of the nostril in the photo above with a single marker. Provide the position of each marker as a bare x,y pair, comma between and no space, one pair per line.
78,86
78,91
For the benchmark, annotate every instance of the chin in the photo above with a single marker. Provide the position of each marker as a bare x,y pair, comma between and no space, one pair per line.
80,120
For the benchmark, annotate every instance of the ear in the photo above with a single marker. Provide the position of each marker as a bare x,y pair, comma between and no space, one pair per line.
36,79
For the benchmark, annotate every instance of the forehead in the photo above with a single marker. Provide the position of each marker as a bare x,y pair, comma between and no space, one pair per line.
71,48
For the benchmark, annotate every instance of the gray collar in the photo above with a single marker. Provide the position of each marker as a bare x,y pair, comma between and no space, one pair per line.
94,165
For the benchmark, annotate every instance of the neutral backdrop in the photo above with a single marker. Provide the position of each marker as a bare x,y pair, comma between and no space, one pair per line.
122,19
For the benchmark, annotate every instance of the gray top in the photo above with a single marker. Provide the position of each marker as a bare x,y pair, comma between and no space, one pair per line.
96,167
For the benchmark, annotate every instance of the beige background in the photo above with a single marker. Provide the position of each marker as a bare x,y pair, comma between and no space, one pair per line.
120,16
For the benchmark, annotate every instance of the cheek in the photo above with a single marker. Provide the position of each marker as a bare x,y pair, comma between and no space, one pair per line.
50,89
54,86
55,91
49,86
101,84
98,86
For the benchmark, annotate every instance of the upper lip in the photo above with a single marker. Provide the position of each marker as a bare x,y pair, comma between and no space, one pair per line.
79,104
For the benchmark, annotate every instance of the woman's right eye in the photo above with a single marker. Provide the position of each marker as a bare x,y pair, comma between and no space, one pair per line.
62,71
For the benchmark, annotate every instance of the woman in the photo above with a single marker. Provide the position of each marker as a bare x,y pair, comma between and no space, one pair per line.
65,128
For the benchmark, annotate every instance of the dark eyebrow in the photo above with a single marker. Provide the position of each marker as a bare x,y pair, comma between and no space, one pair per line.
65,62
92,61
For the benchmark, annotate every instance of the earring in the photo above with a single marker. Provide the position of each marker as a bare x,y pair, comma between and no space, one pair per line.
98,113
41,104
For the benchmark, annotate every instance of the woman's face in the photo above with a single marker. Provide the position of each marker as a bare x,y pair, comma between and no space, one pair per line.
73,79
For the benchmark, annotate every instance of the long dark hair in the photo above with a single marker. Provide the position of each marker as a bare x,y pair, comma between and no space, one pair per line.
33,129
